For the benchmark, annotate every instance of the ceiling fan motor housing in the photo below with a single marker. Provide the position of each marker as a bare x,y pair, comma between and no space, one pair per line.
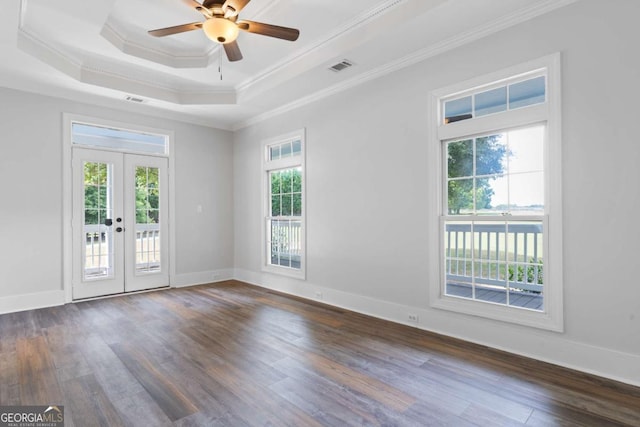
220,29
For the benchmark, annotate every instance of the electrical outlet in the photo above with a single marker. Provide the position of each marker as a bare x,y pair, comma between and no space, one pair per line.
413,318
318,295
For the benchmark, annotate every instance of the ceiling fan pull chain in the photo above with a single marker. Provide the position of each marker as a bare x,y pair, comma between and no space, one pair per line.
220,62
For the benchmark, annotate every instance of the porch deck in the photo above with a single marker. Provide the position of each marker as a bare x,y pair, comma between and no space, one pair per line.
528,300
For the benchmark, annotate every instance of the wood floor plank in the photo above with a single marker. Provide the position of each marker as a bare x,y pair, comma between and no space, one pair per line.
481,415
169,398
86,401
231,354
9,378
140,410
330,401
37,373
562,417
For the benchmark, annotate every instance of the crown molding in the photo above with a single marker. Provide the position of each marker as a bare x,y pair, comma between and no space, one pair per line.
461,39
114,34
93,74
346,28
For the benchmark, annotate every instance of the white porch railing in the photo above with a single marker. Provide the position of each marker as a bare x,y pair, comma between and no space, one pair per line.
503,255
147,247
286,242
98,244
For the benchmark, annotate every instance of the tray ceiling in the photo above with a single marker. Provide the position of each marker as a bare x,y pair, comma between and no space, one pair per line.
101,52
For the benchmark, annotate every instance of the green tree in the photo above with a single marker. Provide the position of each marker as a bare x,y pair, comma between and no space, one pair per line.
95,192
489,154
147,195
286,192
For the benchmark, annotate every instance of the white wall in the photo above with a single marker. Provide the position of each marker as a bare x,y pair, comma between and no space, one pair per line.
367,208
31,168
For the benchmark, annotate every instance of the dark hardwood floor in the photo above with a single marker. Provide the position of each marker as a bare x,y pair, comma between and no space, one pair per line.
235,355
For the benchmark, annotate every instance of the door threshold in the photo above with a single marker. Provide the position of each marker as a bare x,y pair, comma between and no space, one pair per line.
143,291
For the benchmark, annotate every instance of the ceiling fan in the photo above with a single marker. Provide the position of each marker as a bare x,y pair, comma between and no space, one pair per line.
222,25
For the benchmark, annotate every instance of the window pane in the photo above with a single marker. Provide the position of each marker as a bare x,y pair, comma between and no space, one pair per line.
286,177
154,216
526,193
491,155
526,150
154,198
98,237
275,183
285,150
147,196
297,147
274,152
525,265
493,197
460,159
491,101
297,204
458,265
275,205
297,180
457,109
118,139
489,243
460,196
286,205
147,238
528,92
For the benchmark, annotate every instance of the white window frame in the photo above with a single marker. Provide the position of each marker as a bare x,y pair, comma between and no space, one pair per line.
551,318
274,165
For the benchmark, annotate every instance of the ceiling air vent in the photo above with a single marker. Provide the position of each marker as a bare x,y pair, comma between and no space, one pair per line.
342,65
134,99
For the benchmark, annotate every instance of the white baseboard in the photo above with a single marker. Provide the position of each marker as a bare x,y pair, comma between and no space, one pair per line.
33,301
201,277
540,345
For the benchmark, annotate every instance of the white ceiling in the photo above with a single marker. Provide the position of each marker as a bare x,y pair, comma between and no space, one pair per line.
100,52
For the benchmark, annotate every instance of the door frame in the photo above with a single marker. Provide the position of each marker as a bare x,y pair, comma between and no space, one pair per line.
67,191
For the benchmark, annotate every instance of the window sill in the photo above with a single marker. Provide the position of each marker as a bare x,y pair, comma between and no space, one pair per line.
284,271
488,310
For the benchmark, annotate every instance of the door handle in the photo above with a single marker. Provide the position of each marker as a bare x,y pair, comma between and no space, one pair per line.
120,229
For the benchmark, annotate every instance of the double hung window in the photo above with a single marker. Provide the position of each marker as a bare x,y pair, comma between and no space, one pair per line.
499,238
284,231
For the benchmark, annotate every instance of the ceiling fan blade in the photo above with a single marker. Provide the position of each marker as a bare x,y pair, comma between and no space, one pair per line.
161,32
236,5
193,4
233,51
276,31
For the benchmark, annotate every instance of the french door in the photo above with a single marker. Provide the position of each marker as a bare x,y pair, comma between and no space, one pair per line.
120,233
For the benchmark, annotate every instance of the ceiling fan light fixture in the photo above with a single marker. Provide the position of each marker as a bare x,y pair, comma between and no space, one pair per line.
220,30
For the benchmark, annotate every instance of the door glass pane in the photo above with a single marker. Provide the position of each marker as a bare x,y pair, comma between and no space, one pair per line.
147,220
97,235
